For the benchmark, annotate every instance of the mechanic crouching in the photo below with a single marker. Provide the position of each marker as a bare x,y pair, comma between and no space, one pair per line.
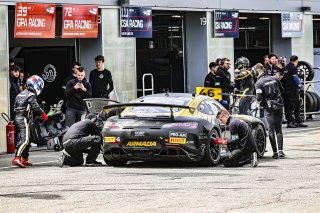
241,144
78,139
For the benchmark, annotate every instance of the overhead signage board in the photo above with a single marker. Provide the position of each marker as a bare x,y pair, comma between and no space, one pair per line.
35,20
291,24
136,22
80,21
226,24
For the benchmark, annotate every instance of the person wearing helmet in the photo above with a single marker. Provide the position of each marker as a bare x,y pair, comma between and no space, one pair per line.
244,82
25,104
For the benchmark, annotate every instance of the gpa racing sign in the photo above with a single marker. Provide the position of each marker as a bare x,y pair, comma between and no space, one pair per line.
291,24
80,21
136,22
35,20
226,24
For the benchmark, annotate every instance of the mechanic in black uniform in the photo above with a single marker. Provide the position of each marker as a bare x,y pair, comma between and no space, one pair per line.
241,144
100,79
271,66
25,103
244,82
211,80
268,95
292,90
224,77
79,137
76,90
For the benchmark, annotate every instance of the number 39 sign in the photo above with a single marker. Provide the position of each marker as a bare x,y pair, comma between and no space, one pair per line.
211,92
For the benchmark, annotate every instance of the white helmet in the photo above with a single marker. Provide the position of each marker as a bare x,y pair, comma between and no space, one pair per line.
36,83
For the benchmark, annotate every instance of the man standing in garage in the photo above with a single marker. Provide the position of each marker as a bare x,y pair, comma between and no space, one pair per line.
100,79
225,82
241,144
292,88
211,80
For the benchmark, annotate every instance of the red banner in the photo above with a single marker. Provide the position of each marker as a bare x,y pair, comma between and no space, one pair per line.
80,21
35,20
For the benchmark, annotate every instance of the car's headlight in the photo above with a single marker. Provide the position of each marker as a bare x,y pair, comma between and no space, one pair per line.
188,125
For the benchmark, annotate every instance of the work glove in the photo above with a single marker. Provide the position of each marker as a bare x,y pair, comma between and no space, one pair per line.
219,140
44,116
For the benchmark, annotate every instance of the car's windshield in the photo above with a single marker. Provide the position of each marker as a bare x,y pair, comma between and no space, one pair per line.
159,100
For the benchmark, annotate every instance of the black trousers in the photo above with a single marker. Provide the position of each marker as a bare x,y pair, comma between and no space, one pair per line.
238,158
244,104
76,147
292,107
274,123
22,127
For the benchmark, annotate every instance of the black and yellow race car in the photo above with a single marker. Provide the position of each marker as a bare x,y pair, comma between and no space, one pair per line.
170,126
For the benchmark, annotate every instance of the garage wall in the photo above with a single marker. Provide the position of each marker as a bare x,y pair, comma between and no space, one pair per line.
120,55
4,67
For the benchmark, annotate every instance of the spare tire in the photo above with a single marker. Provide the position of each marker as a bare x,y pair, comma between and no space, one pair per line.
309,102
315,102
304,68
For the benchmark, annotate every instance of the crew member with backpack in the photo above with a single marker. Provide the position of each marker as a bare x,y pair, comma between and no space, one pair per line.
268,94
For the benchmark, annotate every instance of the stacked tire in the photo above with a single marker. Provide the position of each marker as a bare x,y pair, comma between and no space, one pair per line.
312,98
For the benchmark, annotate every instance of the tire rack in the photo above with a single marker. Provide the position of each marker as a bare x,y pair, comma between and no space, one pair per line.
306,86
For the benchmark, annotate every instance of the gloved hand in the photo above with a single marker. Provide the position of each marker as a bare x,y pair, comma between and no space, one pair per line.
219,140
44,116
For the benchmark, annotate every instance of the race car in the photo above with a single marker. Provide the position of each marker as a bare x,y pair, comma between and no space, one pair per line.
170,127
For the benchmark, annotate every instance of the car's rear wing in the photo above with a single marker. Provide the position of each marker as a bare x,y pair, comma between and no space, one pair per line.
171,106
95,105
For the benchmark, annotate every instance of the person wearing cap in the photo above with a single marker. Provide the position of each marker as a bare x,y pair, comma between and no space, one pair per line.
241,144
79,138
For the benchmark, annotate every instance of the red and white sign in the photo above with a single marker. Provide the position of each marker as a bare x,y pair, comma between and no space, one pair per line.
80,21
35,20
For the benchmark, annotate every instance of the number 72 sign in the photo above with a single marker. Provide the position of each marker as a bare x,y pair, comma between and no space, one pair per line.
211,92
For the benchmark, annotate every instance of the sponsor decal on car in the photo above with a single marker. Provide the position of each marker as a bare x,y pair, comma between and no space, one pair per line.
142,144
177,140
138,133
109,139
178,134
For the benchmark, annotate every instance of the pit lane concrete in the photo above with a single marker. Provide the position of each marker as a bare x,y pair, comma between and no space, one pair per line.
285,185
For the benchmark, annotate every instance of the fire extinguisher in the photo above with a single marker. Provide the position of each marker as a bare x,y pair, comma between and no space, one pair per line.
10,134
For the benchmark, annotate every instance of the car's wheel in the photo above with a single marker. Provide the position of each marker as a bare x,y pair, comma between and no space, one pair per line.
114,162
213,151
259,136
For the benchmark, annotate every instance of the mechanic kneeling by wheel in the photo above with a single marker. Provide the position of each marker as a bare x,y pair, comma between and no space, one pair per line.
241,144
79,137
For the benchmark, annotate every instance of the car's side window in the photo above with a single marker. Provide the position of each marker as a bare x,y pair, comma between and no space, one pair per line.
213,106
202,107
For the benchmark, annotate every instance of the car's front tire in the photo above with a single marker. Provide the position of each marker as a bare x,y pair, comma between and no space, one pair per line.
212,151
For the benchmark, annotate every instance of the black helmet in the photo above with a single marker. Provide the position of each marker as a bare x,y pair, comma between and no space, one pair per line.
242,62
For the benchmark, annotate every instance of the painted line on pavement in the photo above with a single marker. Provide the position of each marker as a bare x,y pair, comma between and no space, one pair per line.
302,129
8,167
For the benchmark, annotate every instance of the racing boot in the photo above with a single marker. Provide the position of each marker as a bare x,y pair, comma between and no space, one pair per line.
25,162
17,161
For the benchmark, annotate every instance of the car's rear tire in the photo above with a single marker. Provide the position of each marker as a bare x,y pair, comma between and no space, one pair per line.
212,151
114,162
259,135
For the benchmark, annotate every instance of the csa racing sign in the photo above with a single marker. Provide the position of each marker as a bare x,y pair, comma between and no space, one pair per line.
35,20
226,24
136,22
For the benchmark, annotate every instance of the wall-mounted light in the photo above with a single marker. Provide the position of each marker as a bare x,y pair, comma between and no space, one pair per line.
316,19
243,17
264,18
175,16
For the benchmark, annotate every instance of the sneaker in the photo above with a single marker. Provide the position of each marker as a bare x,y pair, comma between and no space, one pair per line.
302,125
291,125
17,161
281,154
275,155
62,157
93,163
25,162
254,161
33,145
